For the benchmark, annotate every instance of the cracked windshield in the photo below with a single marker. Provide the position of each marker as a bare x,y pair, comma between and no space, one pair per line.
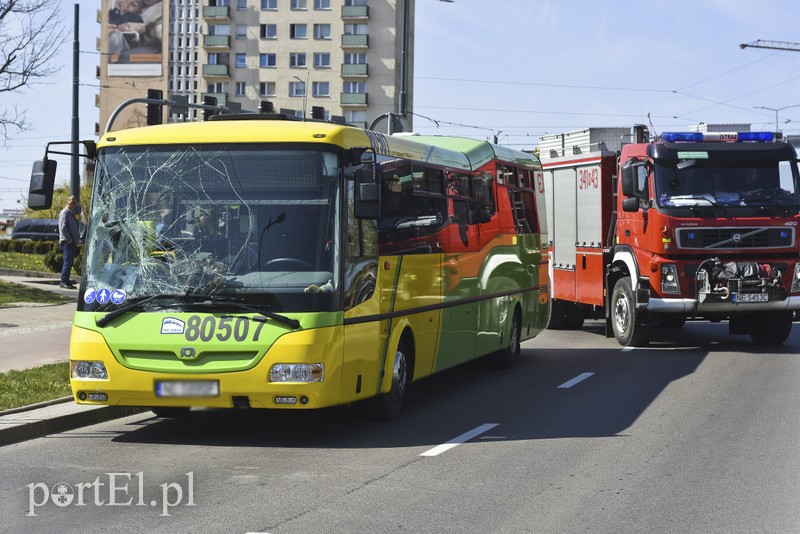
700,183
256,225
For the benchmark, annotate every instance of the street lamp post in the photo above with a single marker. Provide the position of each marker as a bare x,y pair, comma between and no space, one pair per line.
776,110
305,92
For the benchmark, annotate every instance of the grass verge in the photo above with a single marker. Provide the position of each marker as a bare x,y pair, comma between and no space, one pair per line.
29,386
12,293
23,262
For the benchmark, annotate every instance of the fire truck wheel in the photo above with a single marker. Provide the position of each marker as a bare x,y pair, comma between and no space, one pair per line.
575,317
773,329
625,318
558,315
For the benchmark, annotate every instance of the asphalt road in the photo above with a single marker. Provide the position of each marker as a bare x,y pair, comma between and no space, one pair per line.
697,433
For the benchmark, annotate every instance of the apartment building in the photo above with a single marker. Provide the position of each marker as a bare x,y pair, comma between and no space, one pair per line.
346,56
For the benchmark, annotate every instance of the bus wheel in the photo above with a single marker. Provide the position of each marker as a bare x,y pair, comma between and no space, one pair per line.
625,318
773,329
391,402
170,412
505,357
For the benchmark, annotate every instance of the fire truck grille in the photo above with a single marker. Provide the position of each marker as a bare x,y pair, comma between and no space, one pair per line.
735,238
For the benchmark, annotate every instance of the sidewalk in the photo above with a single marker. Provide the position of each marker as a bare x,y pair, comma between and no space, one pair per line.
25,345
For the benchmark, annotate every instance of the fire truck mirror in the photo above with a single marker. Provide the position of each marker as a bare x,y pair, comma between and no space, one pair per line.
630,204
628,181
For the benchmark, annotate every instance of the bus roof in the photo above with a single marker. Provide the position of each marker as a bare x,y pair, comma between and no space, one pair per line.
286,131
480,152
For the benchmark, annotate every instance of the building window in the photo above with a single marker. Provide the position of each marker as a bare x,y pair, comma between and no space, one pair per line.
219,29
266,89
322,4
218,87
321,88
269,31
219,58
241,61
241,4
354,116
297,59
355,88
241,31
269,5
298,31
297,89
355,2
299,4
352,58
322,60
240,89
355,29
267,61
322,31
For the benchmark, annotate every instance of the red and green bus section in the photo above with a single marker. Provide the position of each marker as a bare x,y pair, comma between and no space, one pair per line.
357,357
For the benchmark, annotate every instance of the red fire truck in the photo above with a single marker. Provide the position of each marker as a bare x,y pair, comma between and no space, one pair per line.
687,225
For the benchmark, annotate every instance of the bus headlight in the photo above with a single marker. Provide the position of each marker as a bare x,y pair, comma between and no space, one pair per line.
796,278
297,372
88,370
669,279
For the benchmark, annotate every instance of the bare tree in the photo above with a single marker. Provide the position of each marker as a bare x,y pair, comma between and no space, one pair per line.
30,36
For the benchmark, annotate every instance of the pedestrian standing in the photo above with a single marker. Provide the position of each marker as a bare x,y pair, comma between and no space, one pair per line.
68,238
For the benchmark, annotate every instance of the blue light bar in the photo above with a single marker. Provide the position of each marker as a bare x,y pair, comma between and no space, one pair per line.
685,137
756,136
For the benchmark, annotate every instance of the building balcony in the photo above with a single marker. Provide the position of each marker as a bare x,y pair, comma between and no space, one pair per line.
222,98
353,99
218,71
354,71
355,41
216,41
355,12
217,12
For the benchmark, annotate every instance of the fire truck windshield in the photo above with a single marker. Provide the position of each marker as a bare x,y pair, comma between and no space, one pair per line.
250,222
752,186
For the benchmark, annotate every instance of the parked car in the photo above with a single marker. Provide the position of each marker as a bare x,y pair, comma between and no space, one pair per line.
38,229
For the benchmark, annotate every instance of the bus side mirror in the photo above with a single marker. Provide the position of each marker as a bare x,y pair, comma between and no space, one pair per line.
43,177
367,203
480,216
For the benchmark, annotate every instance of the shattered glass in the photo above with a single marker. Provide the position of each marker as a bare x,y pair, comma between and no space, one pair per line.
257,223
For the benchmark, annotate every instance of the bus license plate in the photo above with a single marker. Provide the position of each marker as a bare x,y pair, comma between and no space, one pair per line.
187,388
751,297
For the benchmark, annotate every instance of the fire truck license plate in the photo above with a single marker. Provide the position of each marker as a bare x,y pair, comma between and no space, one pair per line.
751,297
187,388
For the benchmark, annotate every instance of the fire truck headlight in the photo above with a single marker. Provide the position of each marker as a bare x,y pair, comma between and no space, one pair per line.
669,279
796,278
86,370
297,372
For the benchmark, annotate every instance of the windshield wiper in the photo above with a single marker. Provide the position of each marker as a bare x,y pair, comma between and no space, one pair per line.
135,305
195,299
213,300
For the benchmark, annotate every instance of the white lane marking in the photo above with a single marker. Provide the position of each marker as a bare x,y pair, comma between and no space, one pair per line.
580,378
459,440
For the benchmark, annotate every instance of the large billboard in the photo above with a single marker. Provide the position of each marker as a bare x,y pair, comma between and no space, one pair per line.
135,37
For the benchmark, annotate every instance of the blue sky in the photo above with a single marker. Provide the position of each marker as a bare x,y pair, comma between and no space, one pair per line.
519,69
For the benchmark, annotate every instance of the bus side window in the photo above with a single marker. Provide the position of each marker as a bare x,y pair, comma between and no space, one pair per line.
483,205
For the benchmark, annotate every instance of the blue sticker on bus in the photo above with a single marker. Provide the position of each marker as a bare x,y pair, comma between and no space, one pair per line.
90,295
103,296
118,296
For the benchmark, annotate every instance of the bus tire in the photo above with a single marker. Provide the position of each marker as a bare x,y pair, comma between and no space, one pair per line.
626,320
773,328
390,404
505,357
170,412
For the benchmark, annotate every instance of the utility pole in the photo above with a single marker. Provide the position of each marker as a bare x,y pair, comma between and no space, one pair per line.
75,175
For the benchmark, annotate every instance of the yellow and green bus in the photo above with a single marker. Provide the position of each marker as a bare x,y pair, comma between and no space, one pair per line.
259,262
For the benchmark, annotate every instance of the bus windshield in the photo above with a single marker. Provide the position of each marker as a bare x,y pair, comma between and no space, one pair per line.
753,185
254,223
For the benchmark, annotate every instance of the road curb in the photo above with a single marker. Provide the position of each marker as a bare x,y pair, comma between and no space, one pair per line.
29,424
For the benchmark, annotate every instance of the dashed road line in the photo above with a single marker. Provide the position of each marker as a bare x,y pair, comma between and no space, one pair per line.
580,378
459,440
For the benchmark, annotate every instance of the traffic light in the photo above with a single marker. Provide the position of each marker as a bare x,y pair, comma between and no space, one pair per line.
154,111
209,101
